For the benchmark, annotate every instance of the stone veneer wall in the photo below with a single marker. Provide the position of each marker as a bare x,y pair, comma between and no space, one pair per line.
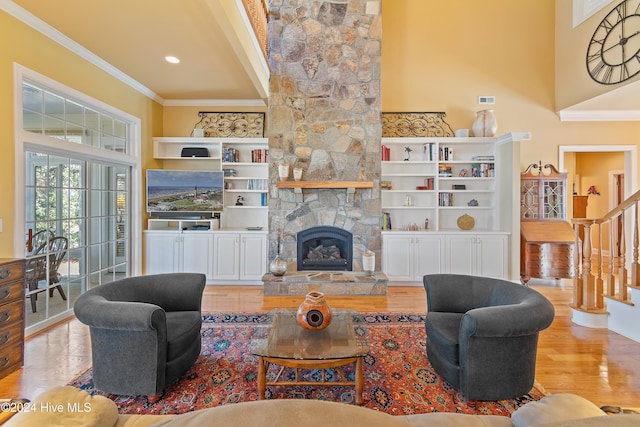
324,116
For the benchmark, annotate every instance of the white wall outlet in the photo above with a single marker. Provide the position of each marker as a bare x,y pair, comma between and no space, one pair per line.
0,225
486,100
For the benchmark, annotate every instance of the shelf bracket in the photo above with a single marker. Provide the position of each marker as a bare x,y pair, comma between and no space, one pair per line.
351,193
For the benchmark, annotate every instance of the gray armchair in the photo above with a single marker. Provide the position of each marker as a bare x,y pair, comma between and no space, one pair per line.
145,331
482,334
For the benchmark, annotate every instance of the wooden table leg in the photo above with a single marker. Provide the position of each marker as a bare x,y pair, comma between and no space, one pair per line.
359,381
262,377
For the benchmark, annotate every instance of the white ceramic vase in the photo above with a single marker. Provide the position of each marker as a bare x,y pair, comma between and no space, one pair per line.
485,124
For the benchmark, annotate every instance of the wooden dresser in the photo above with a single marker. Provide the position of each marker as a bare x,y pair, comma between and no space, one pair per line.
546,250
12,289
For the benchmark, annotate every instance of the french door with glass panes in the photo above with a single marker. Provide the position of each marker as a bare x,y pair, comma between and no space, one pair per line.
76,230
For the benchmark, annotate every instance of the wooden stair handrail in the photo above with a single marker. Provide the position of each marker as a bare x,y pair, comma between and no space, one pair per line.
629,202
589,289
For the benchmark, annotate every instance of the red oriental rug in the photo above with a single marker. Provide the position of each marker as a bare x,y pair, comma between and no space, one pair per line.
398,376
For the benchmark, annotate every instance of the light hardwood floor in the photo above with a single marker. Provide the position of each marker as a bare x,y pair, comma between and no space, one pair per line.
597,364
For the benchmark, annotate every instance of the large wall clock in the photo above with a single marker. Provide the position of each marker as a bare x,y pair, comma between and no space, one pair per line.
613,55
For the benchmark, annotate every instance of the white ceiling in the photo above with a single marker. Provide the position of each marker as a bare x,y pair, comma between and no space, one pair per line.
134,36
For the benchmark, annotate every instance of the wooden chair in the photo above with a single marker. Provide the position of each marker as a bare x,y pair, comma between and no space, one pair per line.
49,254
40,237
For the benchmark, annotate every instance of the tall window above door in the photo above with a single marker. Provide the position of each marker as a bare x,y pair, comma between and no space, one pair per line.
52,114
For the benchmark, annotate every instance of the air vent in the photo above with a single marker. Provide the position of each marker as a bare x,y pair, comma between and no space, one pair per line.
486,100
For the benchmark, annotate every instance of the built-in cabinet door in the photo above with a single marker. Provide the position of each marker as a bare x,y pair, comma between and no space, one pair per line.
226,264
161,252
253,256
429,255
492,256
478,255
197,253
397,257
460,254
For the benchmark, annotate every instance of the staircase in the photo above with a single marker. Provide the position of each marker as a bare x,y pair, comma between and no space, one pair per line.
607,278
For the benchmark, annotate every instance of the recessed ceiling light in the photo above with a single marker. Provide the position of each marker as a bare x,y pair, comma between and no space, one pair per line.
172,59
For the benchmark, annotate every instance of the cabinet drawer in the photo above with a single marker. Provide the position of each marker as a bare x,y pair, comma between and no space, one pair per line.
10,359
10,335
11,291
11,313
11,271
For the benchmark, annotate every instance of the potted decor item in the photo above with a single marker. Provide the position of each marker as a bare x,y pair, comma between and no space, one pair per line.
278,266
485,124
368,262
314,313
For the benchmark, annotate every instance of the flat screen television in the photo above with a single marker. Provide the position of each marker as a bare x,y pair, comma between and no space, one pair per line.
184,191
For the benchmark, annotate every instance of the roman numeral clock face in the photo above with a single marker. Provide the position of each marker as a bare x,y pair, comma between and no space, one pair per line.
613,55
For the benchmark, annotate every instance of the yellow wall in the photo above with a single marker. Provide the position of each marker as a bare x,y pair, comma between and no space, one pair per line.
594,169
25,46
440,55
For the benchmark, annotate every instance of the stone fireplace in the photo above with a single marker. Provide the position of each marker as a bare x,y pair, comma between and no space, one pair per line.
324,248
325,118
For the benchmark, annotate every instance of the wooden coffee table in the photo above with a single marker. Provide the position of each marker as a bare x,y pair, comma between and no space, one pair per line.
291,346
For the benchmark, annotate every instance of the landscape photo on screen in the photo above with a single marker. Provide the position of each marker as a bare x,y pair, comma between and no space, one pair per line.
184,190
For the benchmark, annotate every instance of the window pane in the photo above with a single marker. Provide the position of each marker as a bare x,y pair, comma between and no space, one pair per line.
32,98
53,105
74,113
54,127
32,121
120,129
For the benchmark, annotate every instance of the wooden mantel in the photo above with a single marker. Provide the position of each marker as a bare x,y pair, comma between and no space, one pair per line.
325,184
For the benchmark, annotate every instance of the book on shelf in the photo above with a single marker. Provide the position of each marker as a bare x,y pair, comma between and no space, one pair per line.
446,154
260,155
484,158
482,170
445,199
386,153
429,152
429,183
230,155
445,170
257,184
386,221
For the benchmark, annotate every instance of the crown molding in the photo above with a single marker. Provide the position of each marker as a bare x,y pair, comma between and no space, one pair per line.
47,30
599,115
214,103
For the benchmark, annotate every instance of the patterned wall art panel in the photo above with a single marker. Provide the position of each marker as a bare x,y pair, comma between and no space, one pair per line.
431,124
229,125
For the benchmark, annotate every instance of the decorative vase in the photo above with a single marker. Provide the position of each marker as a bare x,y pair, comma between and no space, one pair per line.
297,174
369,262
485,124
283,171
314,313
278,266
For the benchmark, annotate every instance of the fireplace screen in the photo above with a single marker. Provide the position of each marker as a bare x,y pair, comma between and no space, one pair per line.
325,248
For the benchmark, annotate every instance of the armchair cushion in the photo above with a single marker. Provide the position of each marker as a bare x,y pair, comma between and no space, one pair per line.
445,330
183,327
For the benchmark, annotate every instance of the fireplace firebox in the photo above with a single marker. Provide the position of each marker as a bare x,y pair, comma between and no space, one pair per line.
325,248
